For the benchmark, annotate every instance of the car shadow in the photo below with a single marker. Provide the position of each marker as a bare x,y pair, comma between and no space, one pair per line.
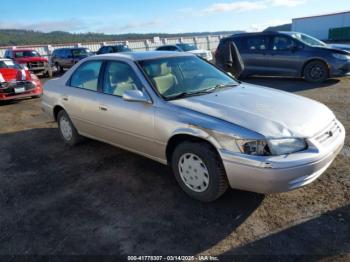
326,236
98,199
288,84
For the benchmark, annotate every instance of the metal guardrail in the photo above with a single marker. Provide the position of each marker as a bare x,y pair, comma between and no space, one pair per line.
202,42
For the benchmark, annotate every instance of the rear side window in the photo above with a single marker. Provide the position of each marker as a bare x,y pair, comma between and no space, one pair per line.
86,76
256,43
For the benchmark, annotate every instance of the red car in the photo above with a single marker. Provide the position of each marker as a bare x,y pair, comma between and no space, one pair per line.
31,59
16,82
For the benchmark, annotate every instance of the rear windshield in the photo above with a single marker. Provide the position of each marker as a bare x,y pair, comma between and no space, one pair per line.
9,64
122,48
80,52
187,47
20,54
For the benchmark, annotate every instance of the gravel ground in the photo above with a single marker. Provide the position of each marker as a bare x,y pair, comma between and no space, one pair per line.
95,199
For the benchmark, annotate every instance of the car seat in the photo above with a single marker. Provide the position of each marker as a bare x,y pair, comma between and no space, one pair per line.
162,77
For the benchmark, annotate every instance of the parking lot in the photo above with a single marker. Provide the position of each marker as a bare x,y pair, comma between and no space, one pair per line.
96,199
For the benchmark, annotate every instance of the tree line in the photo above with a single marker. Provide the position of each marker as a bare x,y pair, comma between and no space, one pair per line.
14,37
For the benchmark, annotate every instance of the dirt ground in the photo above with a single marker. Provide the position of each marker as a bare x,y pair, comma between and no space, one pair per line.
95,199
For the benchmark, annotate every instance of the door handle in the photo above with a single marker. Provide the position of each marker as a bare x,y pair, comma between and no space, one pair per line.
103,108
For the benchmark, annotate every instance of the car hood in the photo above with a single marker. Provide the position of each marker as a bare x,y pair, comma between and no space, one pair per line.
272,113
333,49
30,59
341,47
12,74
199,51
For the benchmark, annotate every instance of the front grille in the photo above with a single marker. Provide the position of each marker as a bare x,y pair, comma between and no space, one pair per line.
329,134
36,65
9,87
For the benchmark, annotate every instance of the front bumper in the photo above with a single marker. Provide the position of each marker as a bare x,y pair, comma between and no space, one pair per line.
10,94
281,173
341,68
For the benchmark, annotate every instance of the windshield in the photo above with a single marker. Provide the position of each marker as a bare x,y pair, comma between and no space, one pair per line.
20,54
9,64
188,74
80,52
187,47
309,40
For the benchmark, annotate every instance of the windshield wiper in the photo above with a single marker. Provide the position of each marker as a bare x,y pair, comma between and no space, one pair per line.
187,94
219,86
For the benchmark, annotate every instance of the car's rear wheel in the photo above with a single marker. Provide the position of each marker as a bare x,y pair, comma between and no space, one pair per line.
199,171
316,72
67,130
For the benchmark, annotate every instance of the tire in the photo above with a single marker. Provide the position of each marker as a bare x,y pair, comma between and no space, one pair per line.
67,130
199,171
316,72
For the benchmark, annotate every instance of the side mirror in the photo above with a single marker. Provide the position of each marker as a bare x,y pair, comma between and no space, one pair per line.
136,96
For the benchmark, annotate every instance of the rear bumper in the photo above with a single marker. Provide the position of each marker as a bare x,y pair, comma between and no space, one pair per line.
279,174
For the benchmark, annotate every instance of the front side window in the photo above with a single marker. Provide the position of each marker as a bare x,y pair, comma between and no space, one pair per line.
282,43
184,75
118,78
20,54
257,43
86,76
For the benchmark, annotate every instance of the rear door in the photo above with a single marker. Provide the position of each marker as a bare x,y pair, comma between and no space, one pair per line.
80,97
285,57
253,50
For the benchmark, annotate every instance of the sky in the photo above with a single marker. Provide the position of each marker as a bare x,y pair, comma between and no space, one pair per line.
161,16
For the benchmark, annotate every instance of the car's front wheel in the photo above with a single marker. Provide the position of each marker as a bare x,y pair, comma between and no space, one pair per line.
316,71
67,130
199,171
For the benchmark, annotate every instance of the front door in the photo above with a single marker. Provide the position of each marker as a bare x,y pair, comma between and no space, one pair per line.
129,125
285,56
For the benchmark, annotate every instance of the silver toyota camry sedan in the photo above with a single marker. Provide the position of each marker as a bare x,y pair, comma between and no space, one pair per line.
213,130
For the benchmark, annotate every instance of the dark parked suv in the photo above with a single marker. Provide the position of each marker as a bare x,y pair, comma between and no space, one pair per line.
284,54
107,49
67,57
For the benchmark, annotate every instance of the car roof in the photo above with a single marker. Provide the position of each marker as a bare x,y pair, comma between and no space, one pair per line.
22,50
146,55
70,48
260,33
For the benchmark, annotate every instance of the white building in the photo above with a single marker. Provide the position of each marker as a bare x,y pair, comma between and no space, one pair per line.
318,26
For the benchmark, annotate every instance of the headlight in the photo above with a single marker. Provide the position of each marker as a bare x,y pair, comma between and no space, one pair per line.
341,56
253,147
271,147
286,146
